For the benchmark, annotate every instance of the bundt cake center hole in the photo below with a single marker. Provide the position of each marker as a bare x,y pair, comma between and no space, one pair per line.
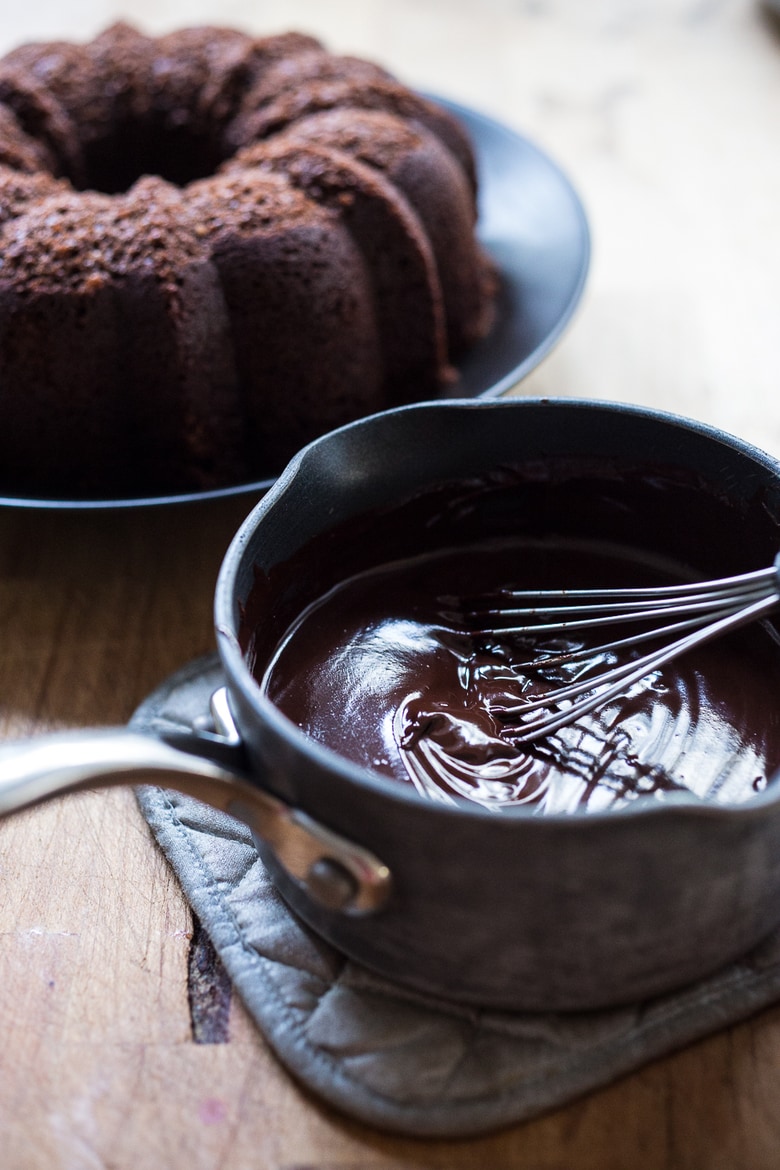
178,154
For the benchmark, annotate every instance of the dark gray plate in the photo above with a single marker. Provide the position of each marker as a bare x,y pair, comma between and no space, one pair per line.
532,223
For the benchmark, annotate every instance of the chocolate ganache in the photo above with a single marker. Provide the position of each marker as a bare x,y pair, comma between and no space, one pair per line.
383,666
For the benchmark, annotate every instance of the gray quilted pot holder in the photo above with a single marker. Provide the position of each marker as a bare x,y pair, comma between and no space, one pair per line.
389,1057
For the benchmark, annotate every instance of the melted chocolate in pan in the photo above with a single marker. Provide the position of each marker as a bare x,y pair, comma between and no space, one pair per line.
381,666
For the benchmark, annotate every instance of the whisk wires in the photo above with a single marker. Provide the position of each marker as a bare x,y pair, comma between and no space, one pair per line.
701,611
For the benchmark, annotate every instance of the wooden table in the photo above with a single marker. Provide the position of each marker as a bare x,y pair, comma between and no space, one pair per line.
667,118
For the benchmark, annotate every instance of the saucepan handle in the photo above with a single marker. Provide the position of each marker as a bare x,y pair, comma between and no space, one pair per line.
335,872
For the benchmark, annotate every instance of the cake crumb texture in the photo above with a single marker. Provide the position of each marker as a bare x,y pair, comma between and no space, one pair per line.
215,247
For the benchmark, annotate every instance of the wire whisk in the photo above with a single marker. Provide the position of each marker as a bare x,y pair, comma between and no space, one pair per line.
700,611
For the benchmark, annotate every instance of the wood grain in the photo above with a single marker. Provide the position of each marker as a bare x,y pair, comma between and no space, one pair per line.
666,117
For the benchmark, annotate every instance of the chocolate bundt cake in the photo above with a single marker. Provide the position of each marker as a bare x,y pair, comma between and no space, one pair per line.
215,247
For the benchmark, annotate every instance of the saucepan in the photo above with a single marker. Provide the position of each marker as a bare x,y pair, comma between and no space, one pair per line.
515,911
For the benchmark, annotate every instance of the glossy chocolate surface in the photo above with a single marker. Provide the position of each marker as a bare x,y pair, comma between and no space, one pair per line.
382,665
